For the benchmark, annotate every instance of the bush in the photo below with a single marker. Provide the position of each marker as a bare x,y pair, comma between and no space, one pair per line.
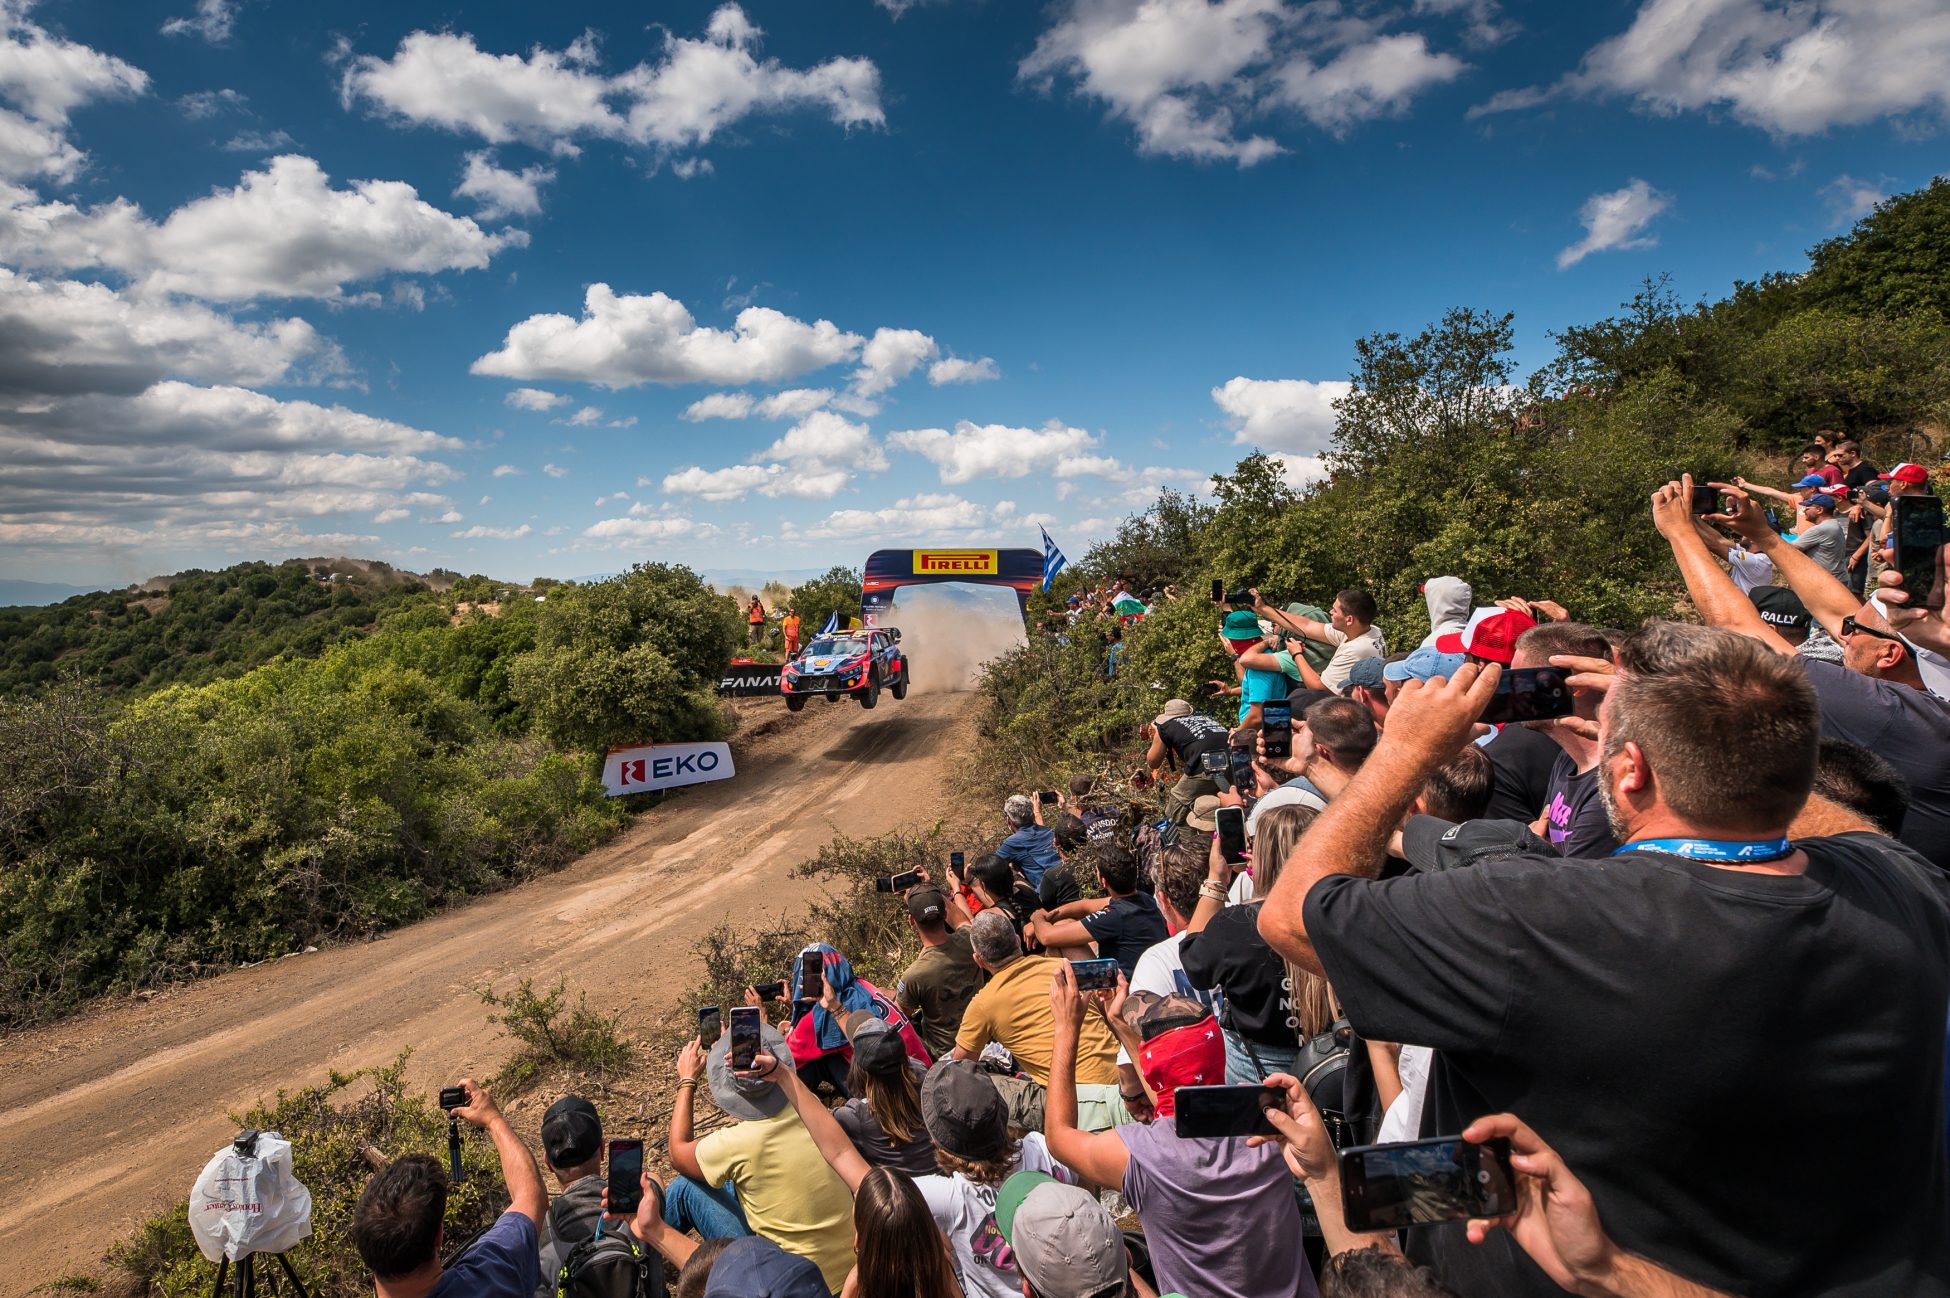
552,1035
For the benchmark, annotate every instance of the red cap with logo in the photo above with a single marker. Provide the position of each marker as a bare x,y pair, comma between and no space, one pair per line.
1914,474
1492,633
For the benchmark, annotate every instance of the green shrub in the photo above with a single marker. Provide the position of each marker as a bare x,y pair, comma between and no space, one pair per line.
553,1034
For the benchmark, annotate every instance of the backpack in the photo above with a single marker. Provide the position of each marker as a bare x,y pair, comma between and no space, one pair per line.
614,1266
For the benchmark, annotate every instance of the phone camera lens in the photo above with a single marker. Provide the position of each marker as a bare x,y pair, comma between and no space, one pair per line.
1483,1177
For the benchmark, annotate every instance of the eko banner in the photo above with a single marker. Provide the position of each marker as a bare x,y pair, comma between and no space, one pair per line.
650,767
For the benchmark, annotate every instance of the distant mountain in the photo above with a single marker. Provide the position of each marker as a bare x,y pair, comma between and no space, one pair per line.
37,594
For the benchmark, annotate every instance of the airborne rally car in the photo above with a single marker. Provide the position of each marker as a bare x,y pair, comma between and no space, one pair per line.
856,663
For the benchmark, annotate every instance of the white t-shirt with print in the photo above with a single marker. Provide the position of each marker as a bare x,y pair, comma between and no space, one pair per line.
1348,650
965,1211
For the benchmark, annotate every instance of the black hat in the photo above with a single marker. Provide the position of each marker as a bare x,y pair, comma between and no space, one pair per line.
927,905
877,1044
1780,608
571,1132
963,1111
1431,843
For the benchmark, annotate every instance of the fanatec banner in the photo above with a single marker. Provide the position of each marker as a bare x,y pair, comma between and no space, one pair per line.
665,766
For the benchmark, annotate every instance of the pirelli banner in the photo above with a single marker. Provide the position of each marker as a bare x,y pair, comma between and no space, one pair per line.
747,680
888,570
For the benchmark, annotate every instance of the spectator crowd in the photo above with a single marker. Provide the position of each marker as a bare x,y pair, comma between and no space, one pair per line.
1678,941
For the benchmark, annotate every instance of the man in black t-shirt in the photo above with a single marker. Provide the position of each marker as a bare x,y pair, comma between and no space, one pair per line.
1670,1017
1123,926
1180,739
1857,475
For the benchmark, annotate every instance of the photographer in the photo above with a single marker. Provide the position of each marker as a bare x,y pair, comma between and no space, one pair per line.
1180,738
399,1222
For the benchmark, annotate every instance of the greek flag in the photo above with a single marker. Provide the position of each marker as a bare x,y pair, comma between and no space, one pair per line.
1053,559
832,623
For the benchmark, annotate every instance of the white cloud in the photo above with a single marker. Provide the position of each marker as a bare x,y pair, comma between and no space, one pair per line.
721,485
719,405
549,98
998,451
555,471
1300,469
1850,199
535,399
623,341
824,440
1281,414
45,79
923,518
1793,69
478,533
619,533
1616,220
890,356
392,515
212,21
258,142
793,403
953,369
201,105
1187,74
506,471
586,417
282,232
502,193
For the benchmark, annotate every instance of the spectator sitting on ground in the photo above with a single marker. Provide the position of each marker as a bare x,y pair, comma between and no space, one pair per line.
816,1038
1181,738
1030,846
1064,1242
1219,1215
1529,975
883,1119
1449,600
974,1154
1574,819
572,1147
399,1223
1013,1009
762,1175
1877,698
1126,925
999,888
942,980
1059,886
1349,628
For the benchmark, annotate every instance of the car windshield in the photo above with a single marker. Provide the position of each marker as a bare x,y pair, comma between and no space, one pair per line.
824,648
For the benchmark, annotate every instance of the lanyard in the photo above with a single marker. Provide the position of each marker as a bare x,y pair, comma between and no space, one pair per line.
1712,849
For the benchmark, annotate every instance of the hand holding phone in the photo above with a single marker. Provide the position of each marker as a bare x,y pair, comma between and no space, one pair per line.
625,1176
1529,694
746,1026
1231,823
1916,537
898,882
770,991
1420,1182
1225,1112
1276,729
1094,975
812,968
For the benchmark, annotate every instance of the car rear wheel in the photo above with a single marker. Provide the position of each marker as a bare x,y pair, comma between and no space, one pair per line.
795,702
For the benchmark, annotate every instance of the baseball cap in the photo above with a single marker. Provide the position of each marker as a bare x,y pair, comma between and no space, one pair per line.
876,1043
1812,480
927,905
1365,672
1431,843
1915,474
1492,633
1065,1244
1820,500
747,1098
1286,795
755,1267
1202,815
571,1132
1171,711
1423,665
1779,606
1240,624
963,1111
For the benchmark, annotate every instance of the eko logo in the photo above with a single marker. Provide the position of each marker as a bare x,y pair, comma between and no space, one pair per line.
665,766
974,563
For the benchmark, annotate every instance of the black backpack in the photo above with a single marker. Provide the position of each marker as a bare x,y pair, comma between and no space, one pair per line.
614,1266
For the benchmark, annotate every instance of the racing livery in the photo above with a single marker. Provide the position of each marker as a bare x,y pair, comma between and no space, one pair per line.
856,663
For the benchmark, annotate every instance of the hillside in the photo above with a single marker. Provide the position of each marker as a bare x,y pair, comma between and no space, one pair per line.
198,626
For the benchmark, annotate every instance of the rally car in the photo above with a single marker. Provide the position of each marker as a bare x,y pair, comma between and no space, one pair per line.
856,663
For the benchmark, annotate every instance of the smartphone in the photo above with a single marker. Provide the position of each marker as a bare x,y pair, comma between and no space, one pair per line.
1276,728
1209,1112
625,1176
899,882
1046,796
812,968
1706,500
1916,534
1239,769
710,1024
1094,975
1528,694
957,861
1416,1182
1232,833
1218,590
745,1023
770,991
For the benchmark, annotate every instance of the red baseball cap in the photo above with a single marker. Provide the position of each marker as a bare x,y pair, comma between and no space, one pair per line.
1492,633
1914,474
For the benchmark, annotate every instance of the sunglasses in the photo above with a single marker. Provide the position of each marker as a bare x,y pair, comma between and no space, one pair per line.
1851,627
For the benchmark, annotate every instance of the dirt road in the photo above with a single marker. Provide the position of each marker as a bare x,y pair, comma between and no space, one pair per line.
107,1118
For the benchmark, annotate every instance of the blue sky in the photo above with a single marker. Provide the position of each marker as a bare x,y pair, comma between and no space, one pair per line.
550,289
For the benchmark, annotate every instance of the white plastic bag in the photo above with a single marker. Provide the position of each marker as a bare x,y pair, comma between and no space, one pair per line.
249,1203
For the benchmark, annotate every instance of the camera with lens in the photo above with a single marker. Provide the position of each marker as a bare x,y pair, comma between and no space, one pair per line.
453,1097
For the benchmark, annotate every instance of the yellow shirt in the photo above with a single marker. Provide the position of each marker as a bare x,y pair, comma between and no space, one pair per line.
789,1194
1014,1009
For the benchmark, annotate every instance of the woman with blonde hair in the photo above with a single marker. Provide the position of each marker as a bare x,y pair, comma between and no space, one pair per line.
1271,1007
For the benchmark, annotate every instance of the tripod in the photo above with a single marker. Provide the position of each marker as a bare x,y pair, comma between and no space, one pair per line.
243,1281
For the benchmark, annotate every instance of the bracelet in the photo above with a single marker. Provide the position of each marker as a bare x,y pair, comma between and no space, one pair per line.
682,1082
1215,891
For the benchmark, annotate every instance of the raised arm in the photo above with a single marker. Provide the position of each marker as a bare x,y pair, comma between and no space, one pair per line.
683,1144
1718,600
1099,1157
1827,599
834,1146
529,1197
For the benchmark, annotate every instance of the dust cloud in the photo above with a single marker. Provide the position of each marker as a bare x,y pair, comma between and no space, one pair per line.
952,629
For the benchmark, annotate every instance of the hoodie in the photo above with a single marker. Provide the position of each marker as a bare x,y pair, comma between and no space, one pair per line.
1448,599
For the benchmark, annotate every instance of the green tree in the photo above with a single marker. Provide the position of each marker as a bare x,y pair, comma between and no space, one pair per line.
837,590
1894,262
